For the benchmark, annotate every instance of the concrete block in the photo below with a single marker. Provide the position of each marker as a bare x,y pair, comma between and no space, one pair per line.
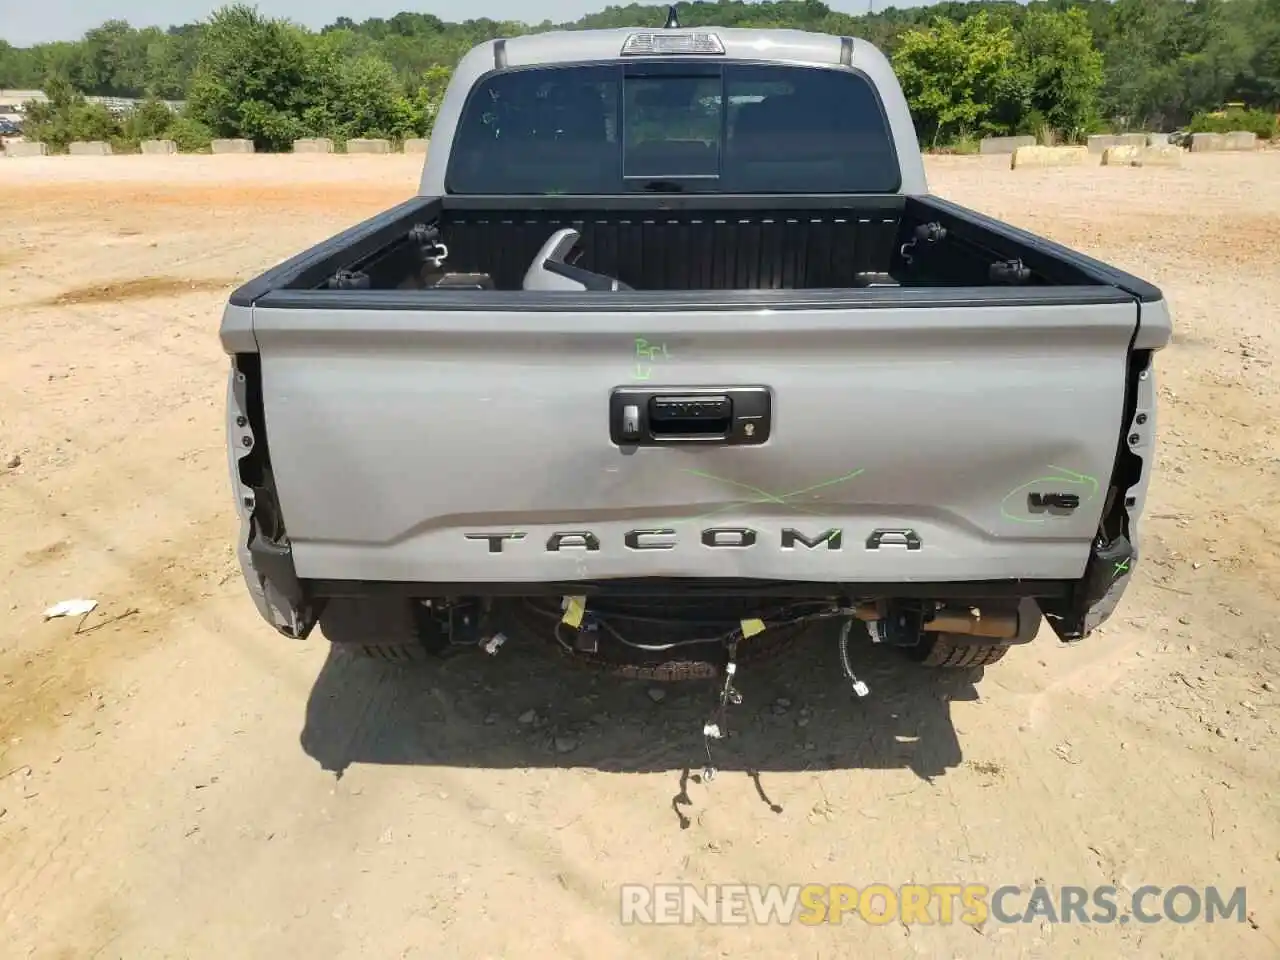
1165,156
1162,156
1208,142
313,145
994,146
89,148
1122,156
1105,141
159,148
231,146
416,145
1048,157
1157,140
25,148
1241,140
368,146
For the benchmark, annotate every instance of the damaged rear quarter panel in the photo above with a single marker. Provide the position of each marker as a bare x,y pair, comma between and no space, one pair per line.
246,462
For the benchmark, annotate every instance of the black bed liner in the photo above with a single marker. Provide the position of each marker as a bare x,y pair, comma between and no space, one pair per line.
693,250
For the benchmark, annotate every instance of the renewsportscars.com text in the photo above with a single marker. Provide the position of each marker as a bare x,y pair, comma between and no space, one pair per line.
937,903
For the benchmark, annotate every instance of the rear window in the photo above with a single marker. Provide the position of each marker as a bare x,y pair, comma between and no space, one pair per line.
663,126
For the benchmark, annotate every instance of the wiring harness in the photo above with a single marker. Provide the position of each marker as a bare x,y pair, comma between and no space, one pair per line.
647,626
672,640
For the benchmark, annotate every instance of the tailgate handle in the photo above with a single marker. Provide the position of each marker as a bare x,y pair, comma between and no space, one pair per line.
683,415
690,416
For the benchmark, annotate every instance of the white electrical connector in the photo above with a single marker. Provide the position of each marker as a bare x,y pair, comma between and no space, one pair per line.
491,644
711,730
860,688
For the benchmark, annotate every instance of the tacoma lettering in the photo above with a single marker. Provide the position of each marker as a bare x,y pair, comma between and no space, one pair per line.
832,538
633,541
578,540
495,539
728,537
904,537
664,538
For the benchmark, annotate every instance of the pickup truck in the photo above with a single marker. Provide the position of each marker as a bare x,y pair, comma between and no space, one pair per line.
674,354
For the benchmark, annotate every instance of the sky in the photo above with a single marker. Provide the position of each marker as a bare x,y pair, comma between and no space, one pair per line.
24,22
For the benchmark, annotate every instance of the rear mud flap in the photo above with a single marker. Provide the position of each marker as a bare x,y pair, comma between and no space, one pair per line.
1098,592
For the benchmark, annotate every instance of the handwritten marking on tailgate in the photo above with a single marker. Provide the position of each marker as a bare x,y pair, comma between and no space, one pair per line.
1054,503
775,498
646,354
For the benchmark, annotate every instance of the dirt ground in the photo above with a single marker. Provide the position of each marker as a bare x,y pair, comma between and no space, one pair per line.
176,780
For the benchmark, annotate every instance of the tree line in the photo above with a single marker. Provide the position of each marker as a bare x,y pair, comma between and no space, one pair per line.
1053,68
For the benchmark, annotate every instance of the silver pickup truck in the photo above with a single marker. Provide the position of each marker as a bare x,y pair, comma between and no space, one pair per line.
674,354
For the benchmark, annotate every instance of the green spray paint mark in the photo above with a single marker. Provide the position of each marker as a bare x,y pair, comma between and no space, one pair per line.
650,351
646,354
1122,566
1063,475
781,499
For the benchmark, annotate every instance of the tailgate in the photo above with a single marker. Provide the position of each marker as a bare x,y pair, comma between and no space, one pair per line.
938,443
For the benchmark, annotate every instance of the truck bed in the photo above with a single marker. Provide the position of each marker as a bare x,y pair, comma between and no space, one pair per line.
695,243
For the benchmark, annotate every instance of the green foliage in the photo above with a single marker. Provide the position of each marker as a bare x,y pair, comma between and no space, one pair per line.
960,77
1261,122
190,135
964,145
1057,67
66,117
430,94
148,121
253,78
1062,70
363,100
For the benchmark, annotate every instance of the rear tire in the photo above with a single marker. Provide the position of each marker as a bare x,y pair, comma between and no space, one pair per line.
385,630
397,654
945,652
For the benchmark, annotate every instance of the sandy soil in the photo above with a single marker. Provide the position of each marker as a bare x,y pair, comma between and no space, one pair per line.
178,781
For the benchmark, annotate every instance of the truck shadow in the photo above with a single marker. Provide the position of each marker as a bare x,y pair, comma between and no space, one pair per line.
526,707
